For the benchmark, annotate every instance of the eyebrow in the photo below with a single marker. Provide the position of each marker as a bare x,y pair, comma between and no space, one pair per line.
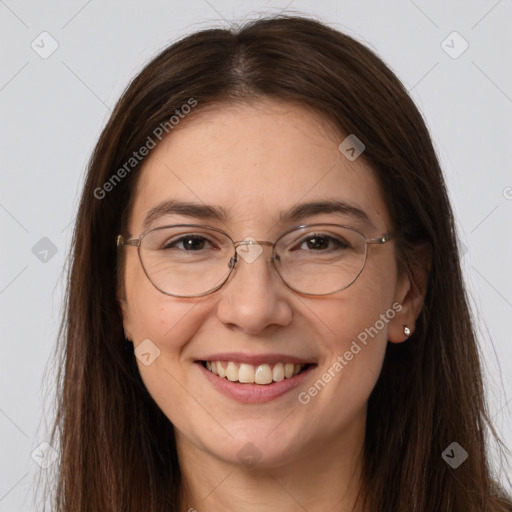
188,209
304,210
295,214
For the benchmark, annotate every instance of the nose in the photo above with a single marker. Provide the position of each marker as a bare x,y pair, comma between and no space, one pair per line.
254,297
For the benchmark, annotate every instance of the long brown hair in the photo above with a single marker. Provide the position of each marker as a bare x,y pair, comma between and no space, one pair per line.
117,449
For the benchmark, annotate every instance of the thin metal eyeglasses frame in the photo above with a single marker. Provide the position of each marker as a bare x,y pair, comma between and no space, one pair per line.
136,242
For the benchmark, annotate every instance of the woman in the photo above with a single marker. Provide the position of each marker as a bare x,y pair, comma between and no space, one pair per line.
265,306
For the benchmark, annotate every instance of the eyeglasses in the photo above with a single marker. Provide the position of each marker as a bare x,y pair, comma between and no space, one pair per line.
191,260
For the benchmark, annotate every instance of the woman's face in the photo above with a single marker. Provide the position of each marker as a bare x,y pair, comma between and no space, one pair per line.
257,162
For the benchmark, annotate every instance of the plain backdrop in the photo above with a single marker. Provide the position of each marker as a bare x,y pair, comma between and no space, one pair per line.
53,106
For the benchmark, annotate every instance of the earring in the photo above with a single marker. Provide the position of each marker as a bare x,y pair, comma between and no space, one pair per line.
407,331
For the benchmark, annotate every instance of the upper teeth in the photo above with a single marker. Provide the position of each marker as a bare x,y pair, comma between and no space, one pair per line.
248,373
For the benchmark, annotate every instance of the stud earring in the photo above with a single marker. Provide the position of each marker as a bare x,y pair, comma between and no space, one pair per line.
407,331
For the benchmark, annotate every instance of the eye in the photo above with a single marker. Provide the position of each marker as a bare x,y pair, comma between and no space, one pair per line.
322,242
192,243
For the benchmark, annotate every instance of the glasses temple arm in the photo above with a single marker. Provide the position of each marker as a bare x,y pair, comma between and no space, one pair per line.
122,242
381,240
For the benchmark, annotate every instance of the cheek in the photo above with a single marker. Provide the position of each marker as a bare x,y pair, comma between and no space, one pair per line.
364,306
150,313
159,324
371,310
358,328
354,326
161,327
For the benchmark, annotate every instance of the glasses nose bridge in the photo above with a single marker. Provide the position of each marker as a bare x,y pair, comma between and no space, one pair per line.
253,242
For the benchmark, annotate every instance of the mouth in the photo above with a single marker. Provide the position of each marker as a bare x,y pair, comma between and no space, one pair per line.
251,380
262,374
255,378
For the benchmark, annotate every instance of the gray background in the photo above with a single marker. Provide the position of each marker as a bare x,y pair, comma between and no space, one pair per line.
52,111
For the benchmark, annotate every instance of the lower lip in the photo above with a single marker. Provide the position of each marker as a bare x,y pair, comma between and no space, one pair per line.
255,393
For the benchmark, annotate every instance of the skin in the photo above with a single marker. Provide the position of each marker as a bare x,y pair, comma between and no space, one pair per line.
256,160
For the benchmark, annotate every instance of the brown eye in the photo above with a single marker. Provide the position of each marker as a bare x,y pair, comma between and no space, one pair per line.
187,243
322,242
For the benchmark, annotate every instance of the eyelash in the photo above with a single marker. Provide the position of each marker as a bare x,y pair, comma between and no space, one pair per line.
338,243
171,244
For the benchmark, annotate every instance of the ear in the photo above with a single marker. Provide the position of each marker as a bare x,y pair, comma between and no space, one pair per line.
410,293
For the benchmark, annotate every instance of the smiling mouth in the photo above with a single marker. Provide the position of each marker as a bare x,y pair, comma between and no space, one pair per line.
262,374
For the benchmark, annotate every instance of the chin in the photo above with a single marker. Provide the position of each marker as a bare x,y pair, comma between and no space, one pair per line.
256,445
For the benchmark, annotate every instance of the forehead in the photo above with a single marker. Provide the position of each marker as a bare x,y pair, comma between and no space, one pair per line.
255,162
